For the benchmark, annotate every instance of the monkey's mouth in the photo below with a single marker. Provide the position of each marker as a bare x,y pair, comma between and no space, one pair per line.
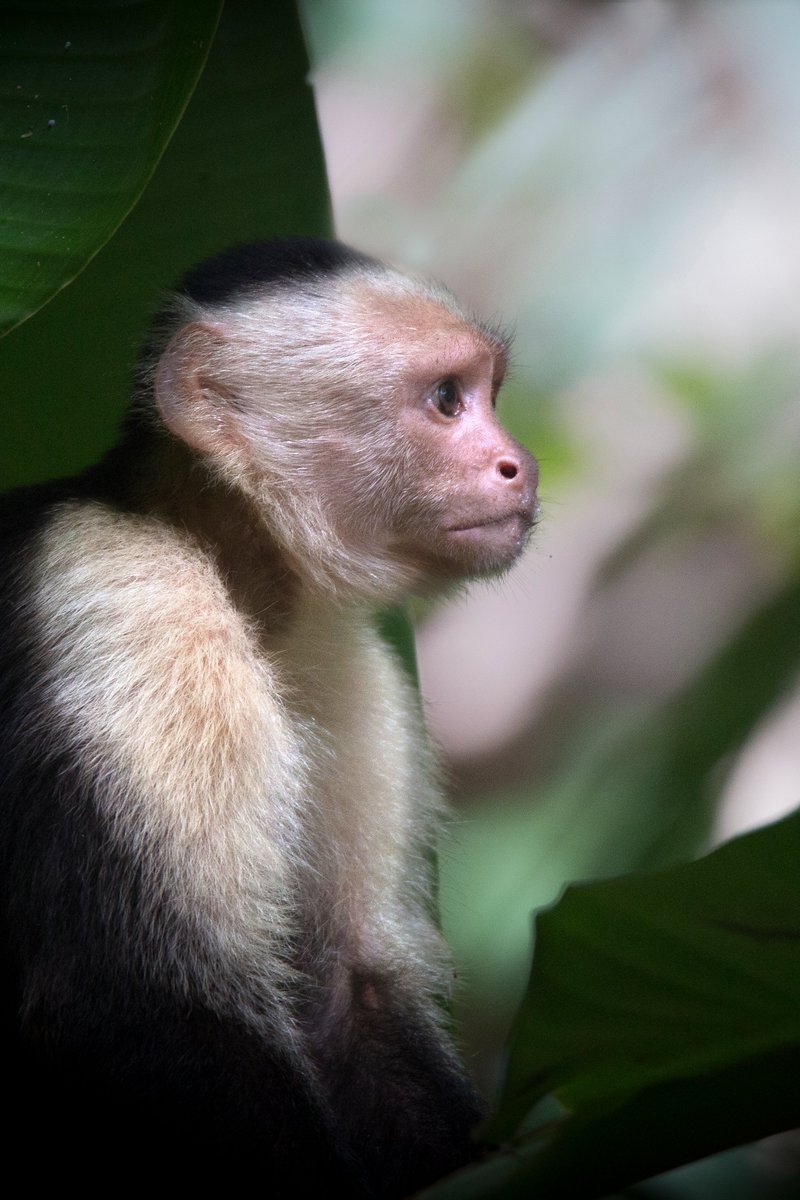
522,518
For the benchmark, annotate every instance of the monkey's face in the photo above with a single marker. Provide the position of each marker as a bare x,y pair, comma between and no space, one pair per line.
469,490
434,478
361,417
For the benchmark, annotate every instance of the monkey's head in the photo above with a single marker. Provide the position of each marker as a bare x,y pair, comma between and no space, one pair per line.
355,407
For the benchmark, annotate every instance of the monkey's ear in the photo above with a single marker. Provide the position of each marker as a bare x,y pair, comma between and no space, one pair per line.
189,393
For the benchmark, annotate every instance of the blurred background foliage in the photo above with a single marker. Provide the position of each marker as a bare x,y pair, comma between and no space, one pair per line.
619,183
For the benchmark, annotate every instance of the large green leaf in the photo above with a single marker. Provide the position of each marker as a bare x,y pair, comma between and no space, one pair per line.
90,94
245,162
664,1015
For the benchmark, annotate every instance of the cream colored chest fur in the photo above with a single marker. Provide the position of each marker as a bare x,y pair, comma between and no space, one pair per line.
257,778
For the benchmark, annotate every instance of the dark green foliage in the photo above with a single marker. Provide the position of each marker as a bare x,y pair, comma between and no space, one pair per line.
245,162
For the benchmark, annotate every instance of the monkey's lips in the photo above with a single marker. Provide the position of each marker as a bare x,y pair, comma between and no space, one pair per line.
518,521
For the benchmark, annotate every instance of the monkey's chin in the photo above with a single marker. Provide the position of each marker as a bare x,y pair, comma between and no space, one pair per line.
488,547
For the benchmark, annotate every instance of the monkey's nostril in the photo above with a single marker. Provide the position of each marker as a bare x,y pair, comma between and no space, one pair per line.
508,470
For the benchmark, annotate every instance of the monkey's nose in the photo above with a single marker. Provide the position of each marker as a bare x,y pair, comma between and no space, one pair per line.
521,470
508,469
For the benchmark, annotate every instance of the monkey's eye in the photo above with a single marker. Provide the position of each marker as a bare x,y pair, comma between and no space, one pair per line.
447,398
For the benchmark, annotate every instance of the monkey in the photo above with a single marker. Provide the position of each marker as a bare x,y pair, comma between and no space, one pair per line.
218,802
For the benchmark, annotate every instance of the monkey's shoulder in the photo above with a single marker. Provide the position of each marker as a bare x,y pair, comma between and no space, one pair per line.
82,557
121,612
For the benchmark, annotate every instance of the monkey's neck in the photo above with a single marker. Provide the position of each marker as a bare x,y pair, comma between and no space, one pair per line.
160,477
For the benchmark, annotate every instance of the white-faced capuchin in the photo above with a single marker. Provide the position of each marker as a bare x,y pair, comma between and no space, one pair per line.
218,800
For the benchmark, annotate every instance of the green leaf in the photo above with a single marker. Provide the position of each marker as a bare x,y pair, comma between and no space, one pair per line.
663,1013
245,162
90,94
